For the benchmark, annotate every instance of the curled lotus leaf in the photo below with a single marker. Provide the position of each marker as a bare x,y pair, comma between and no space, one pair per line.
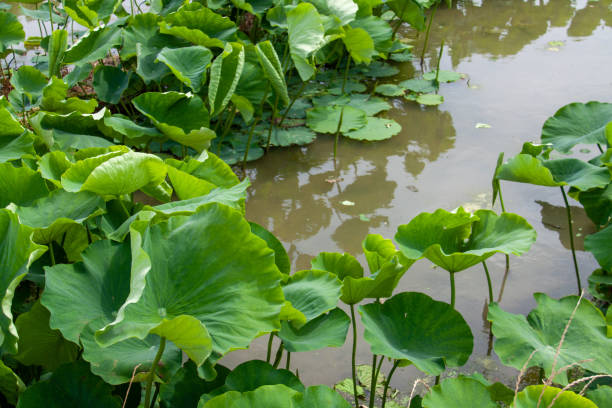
412,326
535,396
326,330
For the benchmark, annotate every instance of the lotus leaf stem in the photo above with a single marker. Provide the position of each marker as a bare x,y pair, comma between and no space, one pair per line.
279,355
353,354
272,123
426,43
295,97
248,146
51,253
127,213
151,377
338,132
399,24
155,395
379,365
346,71
269,353
373,380
571,236
288,362
436,82
452,285
227,127
599,147
484,264
50,5
384,399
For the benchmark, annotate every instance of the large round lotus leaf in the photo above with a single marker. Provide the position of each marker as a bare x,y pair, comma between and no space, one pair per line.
325,119
85,296
29,81
376,129
298,136
409,11
599,244
412,326
597,203
221,274
17,252
281,259
430,99
71,385
460,392
55,99
531,397
378,29
39,344
180,117
121,174
185,387
94,45
188,64
577,123
443,76
418,85
253,374
52,165
586,338
345,11
14,141
20,185
201,26
225,73
110,82
602,396
390,90
144,29
359,44
457,240
328,330
11,31
279,396
313,292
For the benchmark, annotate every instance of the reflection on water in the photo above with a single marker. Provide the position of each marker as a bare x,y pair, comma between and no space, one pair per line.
440,160
554,218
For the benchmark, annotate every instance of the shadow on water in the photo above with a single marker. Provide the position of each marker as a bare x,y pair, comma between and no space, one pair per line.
554,218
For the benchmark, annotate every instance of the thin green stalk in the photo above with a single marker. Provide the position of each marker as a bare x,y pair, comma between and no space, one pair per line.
437,380
346,70
288,362
279,355
228,126
89,239
426,43
155,395
255,121
380,362
50,4
353,355
452,285
127,213
571,234
384,399
269,353
295,98
436,83
51,253
151,376
484,264
272,123
338,133
599,147
373,380
503,207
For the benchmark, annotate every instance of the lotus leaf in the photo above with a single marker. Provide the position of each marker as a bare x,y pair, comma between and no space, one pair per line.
377,251
125,127
94,45
109,83
188,64
577,123
376,129
359,44
430,99
517,336
371,105
203,280
11,32
194,178
345,11
90,12
327,330
100,284
409,11
79,73
20,185
253,374
144,29
542,396
597,203
313,292
281,259
378,29
29,81
602,396
418,85
325,119
11,386
14,141
57,48
54,99
342,265
225,73
306,35
164,7
460,392
273,69
113,174
185,387
17,252
200,26
279,396
70,385
443,76
390,90
181,117
291,136
412,326
457,240
599,244
39,344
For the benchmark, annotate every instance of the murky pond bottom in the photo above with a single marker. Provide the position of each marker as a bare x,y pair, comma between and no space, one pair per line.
522,61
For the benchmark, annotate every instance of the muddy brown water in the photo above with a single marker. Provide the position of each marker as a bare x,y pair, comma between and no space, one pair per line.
517,75
522,61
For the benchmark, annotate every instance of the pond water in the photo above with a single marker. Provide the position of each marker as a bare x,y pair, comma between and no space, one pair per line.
522,61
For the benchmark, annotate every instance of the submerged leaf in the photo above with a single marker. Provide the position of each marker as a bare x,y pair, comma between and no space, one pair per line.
376,129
